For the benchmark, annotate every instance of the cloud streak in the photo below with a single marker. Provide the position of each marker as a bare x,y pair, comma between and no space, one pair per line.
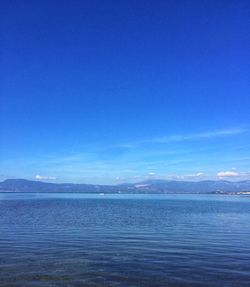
40,177
199,136
187,176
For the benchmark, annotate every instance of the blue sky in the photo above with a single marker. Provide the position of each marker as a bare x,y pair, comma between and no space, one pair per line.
114,91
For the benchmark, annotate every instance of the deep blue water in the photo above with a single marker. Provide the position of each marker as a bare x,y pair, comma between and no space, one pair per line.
124,240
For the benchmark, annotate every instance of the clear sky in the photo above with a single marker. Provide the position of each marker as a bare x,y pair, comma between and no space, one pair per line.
112,91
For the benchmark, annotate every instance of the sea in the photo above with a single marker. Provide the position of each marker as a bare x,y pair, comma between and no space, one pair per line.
71,239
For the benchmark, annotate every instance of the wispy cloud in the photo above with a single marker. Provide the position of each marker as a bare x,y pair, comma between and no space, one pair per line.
199,136
181,138
40,177
198,174
187,176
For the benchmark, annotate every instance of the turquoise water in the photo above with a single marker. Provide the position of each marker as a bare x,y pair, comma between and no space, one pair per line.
124,240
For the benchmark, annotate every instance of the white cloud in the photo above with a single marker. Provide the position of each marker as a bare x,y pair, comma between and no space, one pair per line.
175,176
198,136
198,174
227,174
151,174
187,176
40,177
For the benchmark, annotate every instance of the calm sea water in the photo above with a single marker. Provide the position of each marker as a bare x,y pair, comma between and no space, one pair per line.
124,240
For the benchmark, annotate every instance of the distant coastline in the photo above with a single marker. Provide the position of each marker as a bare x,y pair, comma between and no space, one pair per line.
155,186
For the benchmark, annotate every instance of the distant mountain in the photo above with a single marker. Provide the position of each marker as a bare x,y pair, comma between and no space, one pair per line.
148,186
206,186
23,185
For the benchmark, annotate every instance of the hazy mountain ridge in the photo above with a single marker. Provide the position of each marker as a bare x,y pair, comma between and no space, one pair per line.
148,186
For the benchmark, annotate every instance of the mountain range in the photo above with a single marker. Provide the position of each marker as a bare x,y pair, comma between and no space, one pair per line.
148,186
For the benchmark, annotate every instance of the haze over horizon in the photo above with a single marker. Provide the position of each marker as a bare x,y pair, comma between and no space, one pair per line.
116,91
